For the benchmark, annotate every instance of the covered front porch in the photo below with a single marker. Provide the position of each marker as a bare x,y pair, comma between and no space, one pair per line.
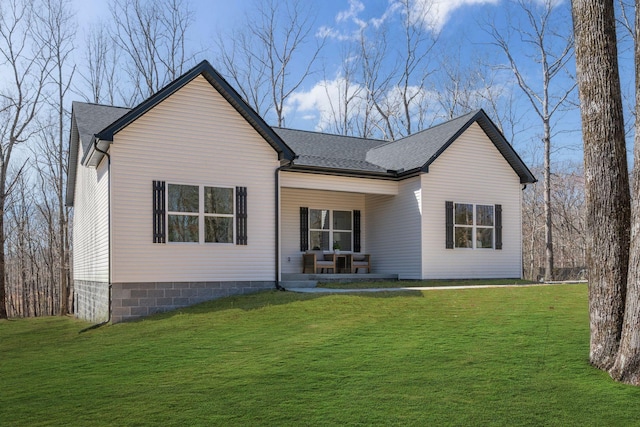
354,217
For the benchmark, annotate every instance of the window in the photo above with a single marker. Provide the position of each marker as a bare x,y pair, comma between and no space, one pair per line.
473,226
200,213
329,229
183,213
218,215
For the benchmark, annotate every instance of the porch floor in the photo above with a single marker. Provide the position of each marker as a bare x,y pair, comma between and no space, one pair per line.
299,280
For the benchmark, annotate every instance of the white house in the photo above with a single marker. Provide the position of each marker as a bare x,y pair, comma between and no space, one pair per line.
191,196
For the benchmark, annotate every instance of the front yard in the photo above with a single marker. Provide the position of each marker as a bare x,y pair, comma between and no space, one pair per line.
501,356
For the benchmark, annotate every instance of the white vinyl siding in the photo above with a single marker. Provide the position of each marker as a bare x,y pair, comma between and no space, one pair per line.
195,136
90,223
292,199
393,230
471,170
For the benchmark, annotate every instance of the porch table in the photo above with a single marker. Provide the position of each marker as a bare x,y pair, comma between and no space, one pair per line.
343,263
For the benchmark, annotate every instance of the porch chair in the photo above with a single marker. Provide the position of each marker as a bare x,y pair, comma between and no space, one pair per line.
360,261
314,260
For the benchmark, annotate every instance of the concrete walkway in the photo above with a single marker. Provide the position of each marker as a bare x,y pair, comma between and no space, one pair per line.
424,288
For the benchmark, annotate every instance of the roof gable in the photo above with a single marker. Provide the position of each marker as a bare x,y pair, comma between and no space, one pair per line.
418,151
94,125
205,69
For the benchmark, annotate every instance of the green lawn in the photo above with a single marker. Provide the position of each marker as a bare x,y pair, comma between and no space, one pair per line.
506,356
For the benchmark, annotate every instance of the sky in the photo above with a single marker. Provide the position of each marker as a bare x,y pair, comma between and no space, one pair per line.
460,23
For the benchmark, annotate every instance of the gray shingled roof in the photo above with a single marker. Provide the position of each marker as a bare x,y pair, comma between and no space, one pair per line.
92,118
401,158
416,150
323,150
86,121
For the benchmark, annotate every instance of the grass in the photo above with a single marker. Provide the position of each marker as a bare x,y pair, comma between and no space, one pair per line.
423,283
500,356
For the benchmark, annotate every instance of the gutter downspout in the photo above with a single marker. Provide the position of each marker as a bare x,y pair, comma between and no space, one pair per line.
95,146
277,239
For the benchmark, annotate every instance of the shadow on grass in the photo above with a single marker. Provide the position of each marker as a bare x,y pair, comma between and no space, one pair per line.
263,299
384,294
423,283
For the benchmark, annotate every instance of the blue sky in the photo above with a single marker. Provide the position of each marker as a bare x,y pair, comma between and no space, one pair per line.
462,25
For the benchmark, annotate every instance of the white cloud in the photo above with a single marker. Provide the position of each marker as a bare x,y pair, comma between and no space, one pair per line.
332,33
353,16
324,102
436,13
389,11
433,14
355,7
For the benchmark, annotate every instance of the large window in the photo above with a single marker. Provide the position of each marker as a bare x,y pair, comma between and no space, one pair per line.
330,229
473,226
200,213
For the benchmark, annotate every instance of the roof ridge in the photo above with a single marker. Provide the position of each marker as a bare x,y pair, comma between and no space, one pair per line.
387,143
331,134
97,104
470,113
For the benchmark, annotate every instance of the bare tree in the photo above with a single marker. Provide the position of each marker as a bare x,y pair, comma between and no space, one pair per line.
269,61
568,210
55,20
396,80
245,68
24,61
568,216
552,49
418,42
606,176
152,36
100,73
373,54
344,96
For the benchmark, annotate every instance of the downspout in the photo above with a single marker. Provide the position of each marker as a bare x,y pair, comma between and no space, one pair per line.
95,146
277,239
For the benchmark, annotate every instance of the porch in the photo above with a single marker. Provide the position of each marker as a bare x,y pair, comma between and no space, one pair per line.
299,280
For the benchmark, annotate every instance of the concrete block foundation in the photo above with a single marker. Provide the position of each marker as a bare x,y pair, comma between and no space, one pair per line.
135,300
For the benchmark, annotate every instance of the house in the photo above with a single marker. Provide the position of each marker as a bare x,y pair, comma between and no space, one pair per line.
191,196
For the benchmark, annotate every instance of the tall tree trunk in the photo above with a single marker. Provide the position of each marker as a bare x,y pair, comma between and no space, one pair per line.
62,223
606,174
627,364
548,223
3,282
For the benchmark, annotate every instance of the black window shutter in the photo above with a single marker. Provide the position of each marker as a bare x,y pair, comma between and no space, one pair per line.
304,229
241,215
356,231
159,212
498,226
449,224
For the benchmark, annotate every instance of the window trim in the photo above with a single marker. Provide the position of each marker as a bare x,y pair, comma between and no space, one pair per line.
201,214
474,226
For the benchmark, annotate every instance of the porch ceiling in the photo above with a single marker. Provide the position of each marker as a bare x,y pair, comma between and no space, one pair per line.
311,181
